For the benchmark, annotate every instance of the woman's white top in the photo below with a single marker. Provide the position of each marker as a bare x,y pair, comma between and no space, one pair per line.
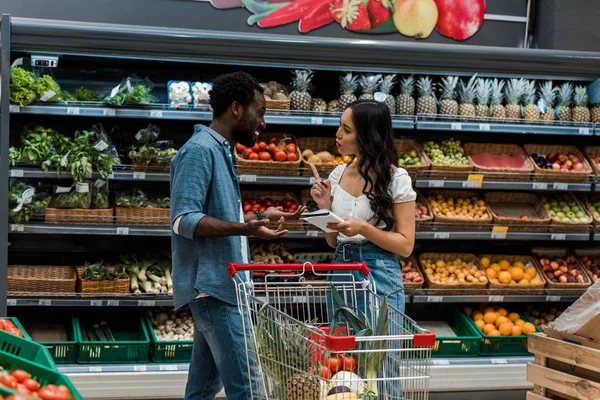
344,204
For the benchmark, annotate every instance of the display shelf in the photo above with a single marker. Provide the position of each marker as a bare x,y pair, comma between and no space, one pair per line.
487,125
438,296
131,301
55,229
491,184
467,234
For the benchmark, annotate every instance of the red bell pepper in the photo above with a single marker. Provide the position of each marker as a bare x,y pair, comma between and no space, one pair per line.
288,14
317,17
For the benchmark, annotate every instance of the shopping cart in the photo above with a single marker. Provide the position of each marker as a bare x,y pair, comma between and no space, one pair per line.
295,352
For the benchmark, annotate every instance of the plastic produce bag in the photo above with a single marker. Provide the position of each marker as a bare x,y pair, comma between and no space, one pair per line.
100,194
102,142
579,314
47,89
22,85
78,196
179,94
131,91
148,134
134,199
20,202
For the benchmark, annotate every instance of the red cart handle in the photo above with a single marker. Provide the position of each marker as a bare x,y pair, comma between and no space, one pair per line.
361,267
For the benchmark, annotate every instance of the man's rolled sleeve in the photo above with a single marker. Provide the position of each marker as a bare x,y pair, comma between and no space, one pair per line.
191,175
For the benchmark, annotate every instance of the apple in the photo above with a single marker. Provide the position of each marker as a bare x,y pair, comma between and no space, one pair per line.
569,163
555,165
578,166
460,19
415,18
563,279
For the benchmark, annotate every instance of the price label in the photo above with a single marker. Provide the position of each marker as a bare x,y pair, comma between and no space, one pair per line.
11,302
436,184
471,184
584,131
45,302
168,367
16,173
456,126
558,236
552,298
13,108
441,362
484,127
139,368
146,303
95,369
316,121
475,180
540,186
139,175
113,303
299,299
156,114
17,228
496,299
96,303
499,361
312,233
498,235
499,232
72,110
108,112
122,231
441,235
247,178
560,186
435,299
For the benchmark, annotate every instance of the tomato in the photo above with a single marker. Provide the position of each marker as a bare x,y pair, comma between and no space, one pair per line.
348,363
263,209
3,324
292,157
253,156
264,156
255,148
262,146
9,381
31,384
239,147
293,208
333,364
63,393
16,397
22,389
20,375
291,148
272,139
247,151
253,201
268,202
247,207
272,148
280,155
49,392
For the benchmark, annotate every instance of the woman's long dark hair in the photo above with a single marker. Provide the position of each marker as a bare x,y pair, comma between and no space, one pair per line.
375,141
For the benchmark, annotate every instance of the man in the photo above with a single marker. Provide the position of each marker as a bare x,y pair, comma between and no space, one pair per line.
210,230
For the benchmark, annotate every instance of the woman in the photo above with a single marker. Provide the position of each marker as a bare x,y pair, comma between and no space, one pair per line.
373,196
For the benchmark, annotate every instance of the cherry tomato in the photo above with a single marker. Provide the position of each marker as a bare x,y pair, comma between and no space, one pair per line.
9,381
239,147
280,156
292,157
255,148
31,384
333,364
262,146
20,375
252,156
264,156
349,364
291,148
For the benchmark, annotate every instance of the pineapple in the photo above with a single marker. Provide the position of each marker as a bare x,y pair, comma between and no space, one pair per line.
386,87
405,103
530,110
548,97
513,94
565,100
581,112
319,105
466,94
497,96
595,111
448,104
368,85
348,87
334,106
426,103
300,99
483,91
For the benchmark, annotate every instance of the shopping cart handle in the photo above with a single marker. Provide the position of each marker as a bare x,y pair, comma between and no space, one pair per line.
361,267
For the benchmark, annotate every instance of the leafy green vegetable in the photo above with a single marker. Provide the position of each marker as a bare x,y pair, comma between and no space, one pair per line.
85,94
22,86
138,199
24,203
101,272
131,91
66,96
100,195
47,89
78,197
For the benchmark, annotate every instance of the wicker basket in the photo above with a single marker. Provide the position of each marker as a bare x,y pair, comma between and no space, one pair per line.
575,226
317,144
538,224
454,288
407,145
589,152
276,196
458,194
499,149
143,216
423,201
258,167
502,288
565,289
441,170
278,105
79,216
47,280
414,265
584,200
151,167
558,175
119,287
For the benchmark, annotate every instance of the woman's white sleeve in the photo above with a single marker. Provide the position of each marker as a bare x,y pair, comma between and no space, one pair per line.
402,190
335,176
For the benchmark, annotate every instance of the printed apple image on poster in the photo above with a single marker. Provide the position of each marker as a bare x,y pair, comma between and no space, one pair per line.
456,19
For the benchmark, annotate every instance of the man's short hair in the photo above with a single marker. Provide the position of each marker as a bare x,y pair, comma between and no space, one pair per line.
232,87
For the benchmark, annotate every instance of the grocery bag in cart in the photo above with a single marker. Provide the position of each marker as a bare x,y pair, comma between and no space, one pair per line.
330,338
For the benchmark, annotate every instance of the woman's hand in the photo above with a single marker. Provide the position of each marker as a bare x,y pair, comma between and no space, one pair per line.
321,190
351,226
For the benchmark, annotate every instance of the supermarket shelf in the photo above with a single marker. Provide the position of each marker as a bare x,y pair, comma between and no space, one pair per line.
596,236
127,301
439,297
427,183
108,229
488,235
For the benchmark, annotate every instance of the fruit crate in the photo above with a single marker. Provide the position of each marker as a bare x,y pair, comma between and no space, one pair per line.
270,167
459,221
585,200
527,204
499,173
131,343
512,289
590,253
168,350
318,145
542,174
18,325
25,349
592,151
467,340
458,287
274,196
412,263
407,145
39,372
557,288
63,352
569,226
422,199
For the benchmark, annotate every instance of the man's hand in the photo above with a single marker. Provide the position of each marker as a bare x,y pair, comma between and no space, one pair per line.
259,229
276,213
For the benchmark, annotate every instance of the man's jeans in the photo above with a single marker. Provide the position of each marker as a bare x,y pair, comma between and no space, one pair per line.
219,355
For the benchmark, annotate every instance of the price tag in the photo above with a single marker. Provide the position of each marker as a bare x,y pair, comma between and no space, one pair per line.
496,299
139,175
108,112
584,131
156,114
96,303
456,126
17,228
13,108
560,186
540,186
247,178
312,180
484,127
499,232
316,121
441,235
122,231
299,299
45,302
558,236
139,368
95,369
499,361
471,184
436,183
11,302
312,233
435,299
441,362
113,303
552,298
72,110
168,367
477,179
16,173
146,303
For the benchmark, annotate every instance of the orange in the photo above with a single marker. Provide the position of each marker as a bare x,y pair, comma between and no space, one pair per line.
501,320
468,311
502,312
516,331
524,281
535,281
490,317
480,324
439,263
531,272
494,333
504,277
488,328
528,328
513,316
506,329
504,265
496,267
485,262
516,273
519,323
518,264
491,273
477,316
489,309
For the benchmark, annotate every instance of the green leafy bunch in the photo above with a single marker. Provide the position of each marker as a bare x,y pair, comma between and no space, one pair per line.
22,86
46,84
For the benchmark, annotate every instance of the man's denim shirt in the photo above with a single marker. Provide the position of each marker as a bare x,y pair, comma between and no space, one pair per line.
204,182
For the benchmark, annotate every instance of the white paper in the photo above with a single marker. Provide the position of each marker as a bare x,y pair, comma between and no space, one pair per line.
321,218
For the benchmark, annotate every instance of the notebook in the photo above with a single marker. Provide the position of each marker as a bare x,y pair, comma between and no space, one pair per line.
321,218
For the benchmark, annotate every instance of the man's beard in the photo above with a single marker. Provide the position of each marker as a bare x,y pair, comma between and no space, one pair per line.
243,133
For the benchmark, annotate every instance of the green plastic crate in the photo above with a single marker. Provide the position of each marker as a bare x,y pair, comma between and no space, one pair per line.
130,346
25,349
43,375
19,326
467,340
168,351
64,352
